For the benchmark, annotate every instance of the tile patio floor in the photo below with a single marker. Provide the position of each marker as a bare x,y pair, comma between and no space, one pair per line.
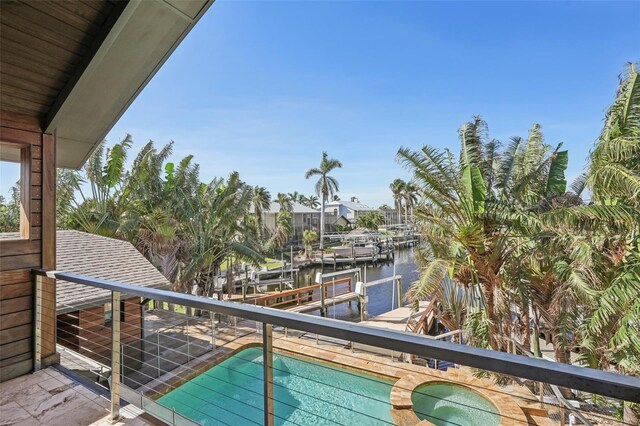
50,398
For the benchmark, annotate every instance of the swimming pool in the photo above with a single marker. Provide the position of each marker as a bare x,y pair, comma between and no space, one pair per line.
450,404
305,393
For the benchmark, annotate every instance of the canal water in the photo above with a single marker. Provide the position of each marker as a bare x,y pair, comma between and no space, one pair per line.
379,296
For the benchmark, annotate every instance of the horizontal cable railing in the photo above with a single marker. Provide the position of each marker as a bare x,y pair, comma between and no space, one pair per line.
232,363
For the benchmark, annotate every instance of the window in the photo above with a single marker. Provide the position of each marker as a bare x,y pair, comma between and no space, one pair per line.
15,167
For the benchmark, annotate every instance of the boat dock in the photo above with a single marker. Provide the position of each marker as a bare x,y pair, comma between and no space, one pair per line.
364,247
329,301
332,289
334,259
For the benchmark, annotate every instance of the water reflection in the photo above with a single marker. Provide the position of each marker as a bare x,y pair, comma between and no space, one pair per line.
380,295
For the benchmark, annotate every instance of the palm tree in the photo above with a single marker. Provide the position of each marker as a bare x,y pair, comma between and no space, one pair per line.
313,202
102,212
326,185
397,189
309,236
261,201
284,222
295,196
335,198
467,224
67,185
614,170
610,330
408,194
216,233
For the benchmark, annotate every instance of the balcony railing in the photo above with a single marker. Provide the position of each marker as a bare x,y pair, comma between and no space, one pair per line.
251,364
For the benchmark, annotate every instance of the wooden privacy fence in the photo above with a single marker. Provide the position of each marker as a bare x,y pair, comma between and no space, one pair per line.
304,295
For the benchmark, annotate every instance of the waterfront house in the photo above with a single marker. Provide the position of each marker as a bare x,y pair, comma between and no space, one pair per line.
303,218
351,210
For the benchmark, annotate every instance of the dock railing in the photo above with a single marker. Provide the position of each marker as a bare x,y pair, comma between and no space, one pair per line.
304,295
264,366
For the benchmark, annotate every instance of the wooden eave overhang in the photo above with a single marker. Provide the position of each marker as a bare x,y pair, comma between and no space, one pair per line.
76,66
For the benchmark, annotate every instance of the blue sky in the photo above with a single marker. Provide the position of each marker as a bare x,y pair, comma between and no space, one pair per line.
264,87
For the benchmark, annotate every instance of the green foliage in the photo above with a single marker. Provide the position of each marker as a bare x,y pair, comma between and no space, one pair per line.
471,211
185,227
556,182
284,224
525,240
614,170
370,220
10,210
309,236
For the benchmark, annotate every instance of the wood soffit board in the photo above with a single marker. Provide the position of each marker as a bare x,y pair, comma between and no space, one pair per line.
42,45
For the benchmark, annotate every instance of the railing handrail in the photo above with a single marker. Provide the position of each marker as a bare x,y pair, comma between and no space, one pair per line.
590,380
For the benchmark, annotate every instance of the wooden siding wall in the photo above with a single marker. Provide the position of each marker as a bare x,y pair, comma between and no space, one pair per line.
18,257
86,333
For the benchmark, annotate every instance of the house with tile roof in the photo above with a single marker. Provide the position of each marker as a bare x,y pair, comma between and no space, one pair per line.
84,313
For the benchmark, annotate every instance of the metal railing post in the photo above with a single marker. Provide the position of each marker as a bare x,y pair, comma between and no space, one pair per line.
267,364
188,346
235,326
115,356
158,352
322,289
213,330
38,314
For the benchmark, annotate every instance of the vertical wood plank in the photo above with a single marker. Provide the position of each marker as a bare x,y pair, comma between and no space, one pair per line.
36,192
48,346
36,151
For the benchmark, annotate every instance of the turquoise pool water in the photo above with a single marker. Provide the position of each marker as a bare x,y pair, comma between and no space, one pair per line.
305,393
447,404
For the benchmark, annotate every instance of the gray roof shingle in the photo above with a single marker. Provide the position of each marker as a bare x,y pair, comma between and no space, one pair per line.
100,257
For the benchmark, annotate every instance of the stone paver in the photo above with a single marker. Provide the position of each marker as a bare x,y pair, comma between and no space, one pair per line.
48,397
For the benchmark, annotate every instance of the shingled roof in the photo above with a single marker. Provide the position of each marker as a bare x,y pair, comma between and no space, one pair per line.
100,257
